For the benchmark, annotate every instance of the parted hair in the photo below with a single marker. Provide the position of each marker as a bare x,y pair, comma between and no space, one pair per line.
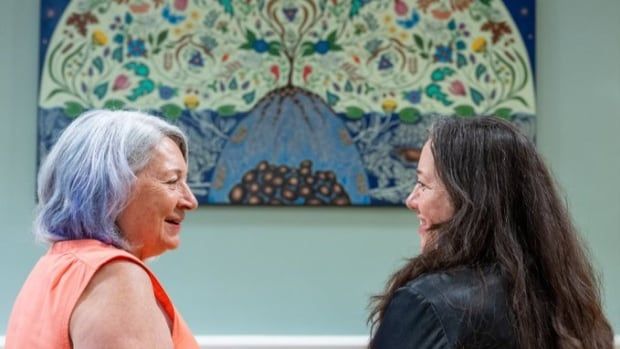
86,180
508,213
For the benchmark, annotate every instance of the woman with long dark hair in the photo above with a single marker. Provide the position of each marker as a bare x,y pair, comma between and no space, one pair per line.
501,266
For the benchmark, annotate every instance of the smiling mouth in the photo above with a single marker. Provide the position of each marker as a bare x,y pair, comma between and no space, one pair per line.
422,224
173,221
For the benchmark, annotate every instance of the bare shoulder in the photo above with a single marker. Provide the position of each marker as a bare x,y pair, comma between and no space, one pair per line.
118,310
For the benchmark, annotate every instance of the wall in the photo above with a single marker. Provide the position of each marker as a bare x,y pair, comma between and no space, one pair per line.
299,271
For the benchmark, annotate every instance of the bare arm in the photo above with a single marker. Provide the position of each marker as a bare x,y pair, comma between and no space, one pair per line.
118,310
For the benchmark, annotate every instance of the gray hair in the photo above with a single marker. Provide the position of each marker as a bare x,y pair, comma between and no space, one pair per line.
87,177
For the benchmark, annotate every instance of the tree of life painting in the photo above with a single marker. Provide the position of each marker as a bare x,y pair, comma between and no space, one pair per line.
289,102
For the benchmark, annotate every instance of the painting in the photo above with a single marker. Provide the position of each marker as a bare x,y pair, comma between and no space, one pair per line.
291,102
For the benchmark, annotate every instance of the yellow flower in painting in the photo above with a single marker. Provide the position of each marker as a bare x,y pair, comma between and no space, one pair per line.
191,101
387,19
479,44
100,38
195,15
389,105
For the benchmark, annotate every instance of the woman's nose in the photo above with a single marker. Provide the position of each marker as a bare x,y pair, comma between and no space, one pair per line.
189,200
411,201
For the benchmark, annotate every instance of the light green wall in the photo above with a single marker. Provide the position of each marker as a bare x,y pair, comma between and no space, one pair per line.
311,271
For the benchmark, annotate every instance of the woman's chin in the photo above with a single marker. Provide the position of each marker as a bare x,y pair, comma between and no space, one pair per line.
423,237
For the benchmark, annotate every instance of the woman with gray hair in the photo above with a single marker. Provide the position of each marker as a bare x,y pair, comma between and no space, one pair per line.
112,193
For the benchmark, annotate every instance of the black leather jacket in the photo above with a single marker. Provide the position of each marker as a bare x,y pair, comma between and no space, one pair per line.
461,308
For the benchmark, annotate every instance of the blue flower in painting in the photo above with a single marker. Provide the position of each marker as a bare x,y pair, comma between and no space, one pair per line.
413,96
196,59
460,45
410,22
452,25
135,48
118,38
128,18
167,92
170,16
385,63
443,54
321,47
260,46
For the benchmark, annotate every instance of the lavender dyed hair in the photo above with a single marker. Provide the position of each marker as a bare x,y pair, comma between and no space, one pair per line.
87,178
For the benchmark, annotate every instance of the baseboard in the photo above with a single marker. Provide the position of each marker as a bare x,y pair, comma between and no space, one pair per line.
275,342
281,342
289,342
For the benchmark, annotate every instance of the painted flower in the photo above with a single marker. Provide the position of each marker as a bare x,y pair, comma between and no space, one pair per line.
413,96
139,8
167,92
135,48
118,38
81,21
275,71
196,59
121,82
443,53
191,101
497,29
461,5
321,47
180,5
306,72
400,7
99,38
260,46
457,88
385,63
389,105
479,44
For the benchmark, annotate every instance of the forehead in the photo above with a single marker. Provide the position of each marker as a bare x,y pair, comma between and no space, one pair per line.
426,164
166,155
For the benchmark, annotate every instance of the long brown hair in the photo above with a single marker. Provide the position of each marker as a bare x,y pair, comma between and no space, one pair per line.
508,213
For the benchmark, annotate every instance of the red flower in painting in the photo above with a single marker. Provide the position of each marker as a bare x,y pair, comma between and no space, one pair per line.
424,4
498,29
460,5
306,72
81,20
457,88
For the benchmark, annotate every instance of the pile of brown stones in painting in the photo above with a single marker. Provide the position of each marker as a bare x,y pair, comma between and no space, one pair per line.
269,184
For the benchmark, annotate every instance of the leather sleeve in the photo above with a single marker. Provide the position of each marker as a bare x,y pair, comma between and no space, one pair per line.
410,322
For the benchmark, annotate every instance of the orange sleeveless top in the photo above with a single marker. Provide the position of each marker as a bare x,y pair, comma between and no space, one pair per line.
42,311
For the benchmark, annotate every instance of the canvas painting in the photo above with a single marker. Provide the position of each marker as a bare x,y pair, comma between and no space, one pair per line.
291,102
